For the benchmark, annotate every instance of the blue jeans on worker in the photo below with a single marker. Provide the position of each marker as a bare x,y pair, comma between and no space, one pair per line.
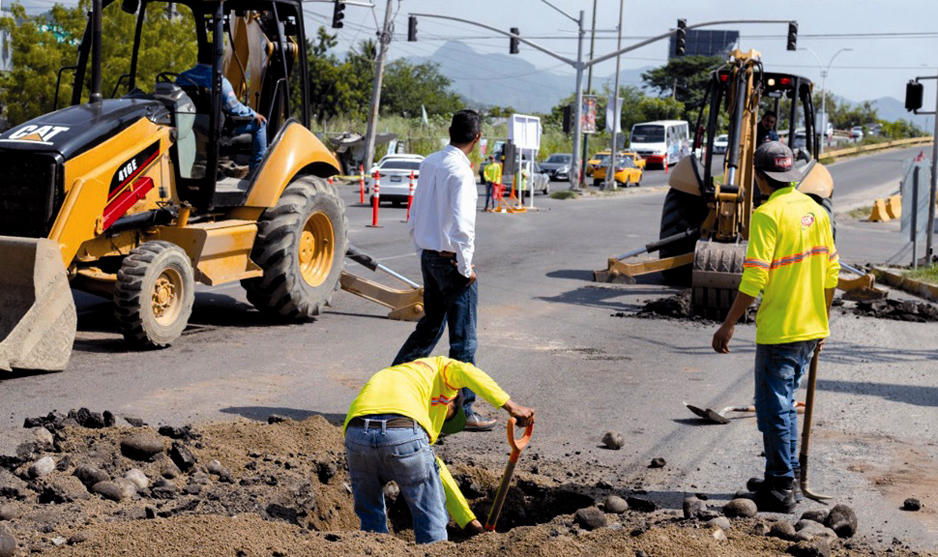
259,143
488,196
377,455
446,301
778,372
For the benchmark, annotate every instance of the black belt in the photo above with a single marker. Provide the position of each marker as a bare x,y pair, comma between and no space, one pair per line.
448,254
392,423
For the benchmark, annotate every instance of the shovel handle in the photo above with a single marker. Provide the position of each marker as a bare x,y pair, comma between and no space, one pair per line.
518,445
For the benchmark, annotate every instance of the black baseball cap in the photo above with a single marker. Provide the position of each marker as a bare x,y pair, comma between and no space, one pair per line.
776,161
456,423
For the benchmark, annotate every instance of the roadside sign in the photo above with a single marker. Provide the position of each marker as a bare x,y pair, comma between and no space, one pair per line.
915,194
525,132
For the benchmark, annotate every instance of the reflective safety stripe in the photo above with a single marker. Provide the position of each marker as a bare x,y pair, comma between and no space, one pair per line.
798,257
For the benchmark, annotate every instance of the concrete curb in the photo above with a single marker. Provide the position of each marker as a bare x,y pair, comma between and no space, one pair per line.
914,287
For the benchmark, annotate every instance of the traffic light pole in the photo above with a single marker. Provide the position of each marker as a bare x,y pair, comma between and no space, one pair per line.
933,190
383,40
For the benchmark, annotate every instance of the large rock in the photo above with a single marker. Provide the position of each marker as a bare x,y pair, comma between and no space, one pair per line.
816,548
90,475
782,530
743,508
842,520
182,457
613,440
42,467
142,446
7,541
11,487
641,505
128,487
138,478
108,490
615,504
694,507
44,437
168,469
9,511
590,518
720,522
816,515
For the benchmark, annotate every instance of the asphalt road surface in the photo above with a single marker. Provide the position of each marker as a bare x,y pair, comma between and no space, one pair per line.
550,337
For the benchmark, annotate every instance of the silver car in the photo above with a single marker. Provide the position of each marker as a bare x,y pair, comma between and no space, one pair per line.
394,172
557,166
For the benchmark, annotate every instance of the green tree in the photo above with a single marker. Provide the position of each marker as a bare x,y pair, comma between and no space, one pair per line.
408,86
685,79
43,44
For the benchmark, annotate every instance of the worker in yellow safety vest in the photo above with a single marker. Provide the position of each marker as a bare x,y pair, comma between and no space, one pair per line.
390,428
492,173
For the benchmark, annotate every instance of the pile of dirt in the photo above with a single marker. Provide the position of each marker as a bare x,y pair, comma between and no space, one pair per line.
87,486
680,306
899,310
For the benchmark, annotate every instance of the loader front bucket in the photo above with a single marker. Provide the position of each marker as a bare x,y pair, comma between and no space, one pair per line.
37,311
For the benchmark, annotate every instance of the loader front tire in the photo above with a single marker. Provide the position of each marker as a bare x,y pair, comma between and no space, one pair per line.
680,212
154,294
301,244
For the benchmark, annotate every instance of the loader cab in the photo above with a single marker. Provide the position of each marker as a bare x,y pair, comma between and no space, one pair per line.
789,96
254,45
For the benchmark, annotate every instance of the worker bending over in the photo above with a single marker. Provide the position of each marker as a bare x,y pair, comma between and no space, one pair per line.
792,261
390,428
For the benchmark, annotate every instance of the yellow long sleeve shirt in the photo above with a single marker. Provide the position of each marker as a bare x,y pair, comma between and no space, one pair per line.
421,391
791,259
493,173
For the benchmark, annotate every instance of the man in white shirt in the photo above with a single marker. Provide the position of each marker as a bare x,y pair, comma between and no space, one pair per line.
442,226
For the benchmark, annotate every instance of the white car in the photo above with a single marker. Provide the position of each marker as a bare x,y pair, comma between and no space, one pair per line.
721,143
394,172
856,132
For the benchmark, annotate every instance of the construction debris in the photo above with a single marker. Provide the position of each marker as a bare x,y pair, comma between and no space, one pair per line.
679,306
919,312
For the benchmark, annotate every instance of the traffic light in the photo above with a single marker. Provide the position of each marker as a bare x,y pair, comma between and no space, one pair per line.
412,29
792,35
913,95
338,14
513,45
568,116
680,40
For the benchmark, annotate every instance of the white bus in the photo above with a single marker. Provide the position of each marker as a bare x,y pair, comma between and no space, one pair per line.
659,141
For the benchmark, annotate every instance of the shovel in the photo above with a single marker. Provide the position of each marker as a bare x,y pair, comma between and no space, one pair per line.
517,445
720,417
806,433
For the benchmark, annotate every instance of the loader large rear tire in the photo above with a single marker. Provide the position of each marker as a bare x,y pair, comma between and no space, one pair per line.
154,294
300,245
680,212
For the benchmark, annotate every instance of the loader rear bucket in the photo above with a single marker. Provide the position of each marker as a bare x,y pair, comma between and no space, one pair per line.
37,312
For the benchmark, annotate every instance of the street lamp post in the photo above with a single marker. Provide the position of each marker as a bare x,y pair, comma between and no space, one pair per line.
824,72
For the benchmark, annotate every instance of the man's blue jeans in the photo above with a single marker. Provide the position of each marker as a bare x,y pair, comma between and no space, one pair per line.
778,373
259,144
488,196
377,455
446,301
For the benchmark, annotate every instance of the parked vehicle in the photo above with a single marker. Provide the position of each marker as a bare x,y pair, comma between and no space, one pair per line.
627,174
395,177
721,144
856,133
540,180
661,141
557,166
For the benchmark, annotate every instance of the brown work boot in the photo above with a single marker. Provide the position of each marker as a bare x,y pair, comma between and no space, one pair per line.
475,422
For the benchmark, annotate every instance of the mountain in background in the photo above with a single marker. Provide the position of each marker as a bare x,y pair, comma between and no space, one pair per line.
480,78
891,110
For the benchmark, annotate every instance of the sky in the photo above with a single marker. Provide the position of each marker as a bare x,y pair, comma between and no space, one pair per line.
892,41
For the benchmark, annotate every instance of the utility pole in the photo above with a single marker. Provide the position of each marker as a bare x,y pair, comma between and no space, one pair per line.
589,91
611,173
578,112
384,38
934,187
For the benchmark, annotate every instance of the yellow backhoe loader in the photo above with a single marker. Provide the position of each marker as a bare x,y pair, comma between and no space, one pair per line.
705,218
124,197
